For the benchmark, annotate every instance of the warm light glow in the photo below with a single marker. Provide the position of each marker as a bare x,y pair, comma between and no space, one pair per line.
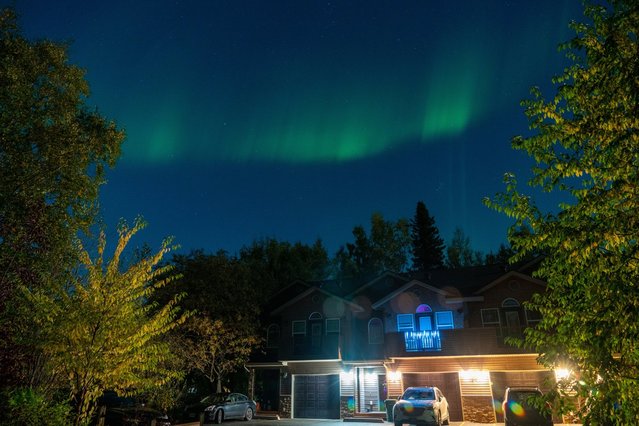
562,373
476,376
347,375
394,376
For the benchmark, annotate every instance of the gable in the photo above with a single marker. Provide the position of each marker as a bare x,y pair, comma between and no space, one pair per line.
409,296
317,300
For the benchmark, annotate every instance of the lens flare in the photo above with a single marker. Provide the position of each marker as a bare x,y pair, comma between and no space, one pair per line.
517,409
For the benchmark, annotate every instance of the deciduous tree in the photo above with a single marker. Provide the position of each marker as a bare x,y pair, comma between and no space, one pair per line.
460,253
385,248
585,145
53,153
100,332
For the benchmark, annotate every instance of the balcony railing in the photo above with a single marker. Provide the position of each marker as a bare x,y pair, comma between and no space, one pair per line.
422,341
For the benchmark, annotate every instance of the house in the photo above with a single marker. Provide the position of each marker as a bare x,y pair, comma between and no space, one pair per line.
334,351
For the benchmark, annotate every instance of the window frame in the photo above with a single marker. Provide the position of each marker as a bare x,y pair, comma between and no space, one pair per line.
298,333
270,344
492,323
412,322
331,331
377,323
448,326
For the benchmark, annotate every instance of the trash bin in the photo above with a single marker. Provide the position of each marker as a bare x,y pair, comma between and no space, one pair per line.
390,403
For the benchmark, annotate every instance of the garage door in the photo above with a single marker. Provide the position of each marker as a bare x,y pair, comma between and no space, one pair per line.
316,397
448,383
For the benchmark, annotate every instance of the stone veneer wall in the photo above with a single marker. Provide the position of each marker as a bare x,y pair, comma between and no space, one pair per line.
285,407
478,409
344,409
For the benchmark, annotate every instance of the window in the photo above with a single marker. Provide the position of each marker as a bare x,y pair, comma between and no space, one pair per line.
332,325
421,309
532,317
510,303
375,331
490,317
273,336
444,320
315,316
405,322
299,327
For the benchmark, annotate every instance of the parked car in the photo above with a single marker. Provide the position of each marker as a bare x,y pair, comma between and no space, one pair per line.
519,409
421,406
123,411
224,406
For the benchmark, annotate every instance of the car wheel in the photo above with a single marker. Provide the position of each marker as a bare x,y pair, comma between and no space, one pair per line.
249,414
219,416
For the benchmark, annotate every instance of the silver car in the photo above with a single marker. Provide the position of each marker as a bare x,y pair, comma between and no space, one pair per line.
421,406
221,406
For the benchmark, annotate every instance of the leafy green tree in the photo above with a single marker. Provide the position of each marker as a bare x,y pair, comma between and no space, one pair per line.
278,263
585,145
385,248
53,153
427,245
215,348
217,285
459,253
100,332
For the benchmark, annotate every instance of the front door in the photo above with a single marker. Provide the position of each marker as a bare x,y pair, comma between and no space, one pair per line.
513,327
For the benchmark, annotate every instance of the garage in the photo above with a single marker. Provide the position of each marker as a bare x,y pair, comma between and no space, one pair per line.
502,379
448,383
316,397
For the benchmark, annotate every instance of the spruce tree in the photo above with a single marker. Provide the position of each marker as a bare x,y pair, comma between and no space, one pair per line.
427,245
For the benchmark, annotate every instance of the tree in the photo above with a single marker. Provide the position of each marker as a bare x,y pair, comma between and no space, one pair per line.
502,257
386,248
459,252
53,153
279,263
99,332
215,348
427,245
584,144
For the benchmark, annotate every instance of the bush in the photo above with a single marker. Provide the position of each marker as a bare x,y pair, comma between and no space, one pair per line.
28,407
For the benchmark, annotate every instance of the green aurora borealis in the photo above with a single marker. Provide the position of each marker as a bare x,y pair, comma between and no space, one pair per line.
298,119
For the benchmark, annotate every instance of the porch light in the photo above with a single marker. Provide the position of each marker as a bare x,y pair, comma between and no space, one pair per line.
475,376
394,376
562,373
347,375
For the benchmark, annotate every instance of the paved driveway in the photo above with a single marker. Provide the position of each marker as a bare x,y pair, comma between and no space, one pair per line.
307,422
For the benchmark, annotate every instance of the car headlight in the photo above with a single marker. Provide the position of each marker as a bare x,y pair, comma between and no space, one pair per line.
210,408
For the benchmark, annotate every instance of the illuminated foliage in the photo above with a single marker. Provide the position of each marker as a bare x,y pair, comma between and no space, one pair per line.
585,146
53,153
100,333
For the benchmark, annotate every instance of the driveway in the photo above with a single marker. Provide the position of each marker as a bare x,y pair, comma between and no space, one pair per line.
307,422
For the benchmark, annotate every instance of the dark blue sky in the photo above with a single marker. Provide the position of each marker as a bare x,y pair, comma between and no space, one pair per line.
299,119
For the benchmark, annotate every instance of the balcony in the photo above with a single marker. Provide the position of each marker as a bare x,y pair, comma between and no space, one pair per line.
460,341
422,341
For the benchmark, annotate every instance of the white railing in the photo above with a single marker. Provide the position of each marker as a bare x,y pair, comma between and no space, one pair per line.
421,341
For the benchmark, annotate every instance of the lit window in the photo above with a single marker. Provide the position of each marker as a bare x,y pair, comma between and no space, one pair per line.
332,326
421,309
273,336
405,322
444,320
490,317
299,327
375,331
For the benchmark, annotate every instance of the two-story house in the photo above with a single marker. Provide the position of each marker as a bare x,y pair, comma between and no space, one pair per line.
334,351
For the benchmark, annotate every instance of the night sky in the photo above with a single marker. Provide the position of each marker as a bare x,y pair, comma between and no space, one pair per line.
299,119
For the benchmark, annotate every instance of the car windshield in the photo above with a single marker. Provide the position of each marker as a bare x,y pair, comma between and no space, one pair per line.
215,398
523,397
419,394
